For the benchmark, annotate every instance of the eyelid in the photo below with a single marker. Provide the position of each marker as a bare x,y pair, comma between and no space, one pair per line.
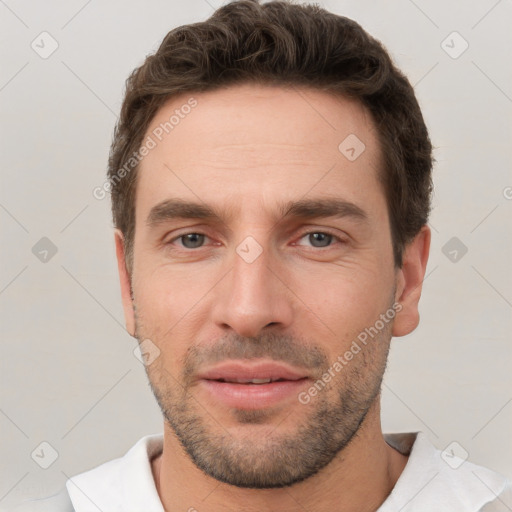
326,231
185,233
199,229
307,231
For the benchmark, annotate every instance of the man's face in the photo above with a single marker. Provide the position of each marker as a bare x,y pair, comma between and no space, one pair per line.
256,285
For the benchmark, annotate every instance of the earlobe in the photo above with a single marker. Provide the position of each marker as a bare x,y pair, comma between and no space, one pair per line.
409,282
125,281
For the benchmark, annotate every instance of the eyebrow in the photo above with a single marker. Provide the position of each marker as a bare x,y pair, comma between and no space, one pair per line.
171,209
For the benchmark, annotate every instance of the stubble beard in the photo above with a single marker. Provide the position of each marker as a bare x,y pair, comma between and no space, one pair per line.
325,426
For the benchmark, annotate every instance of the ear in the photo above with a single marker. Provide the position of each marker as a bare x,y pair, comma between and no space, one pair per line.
409,282
124,278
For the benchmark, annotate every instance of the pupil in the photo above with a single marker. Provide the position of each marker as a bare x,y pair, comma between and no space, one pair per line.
195,240
323,238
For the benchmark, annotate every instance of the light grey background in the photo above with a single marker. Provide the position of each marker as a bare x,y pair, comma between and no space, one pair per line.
68,372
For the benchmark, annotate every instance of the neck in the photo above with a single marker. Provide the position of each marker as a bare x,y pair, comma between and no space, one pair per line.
358,479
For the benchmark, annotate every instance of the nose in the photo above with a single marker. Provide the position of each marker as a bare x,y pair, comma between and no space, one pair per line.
251,297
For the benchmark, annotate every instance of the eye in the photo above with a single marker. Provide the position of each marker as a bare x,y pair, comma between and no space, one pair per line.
190,240
319,239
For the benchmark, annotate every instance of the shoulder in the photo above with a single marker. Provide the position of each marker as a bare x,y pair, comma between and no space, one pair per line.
442,481
502,502
59,502
477,485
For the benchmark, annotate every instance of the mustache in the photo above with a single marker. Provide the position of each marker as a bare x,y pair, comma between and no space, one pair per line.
278,347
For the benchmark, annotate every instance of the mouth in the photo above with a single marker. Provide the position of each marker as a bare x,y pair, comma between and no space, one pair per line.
258,385
254,381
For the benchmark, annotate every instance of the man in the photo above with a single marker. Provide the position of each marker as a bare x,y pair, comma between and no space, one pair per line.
271,179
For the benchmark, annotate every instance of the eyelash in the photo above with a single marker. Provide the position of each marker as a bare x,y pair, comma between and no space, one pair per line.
324,232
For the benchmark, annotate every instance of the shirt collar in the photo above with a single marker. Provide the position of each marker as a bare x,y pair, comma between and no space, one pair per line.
126,484
431,481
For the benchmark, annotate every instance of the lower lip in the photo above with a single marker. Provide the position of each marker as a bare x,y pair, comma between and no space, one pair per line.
253,396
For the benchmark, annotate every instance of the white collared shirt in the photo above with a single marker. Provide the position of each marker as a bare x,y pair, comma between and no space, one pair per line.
429,483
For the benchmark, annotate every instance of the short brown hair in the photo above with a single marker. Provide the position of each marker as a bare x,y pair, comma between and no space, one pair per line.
281,43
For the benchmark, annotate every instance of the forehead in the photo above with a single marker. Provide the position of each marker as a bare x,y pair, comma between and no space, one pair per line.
253,144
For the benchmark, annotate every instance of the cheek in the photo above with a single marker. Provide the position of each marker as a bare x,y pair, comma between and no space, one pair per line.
345,300
170,291
170,307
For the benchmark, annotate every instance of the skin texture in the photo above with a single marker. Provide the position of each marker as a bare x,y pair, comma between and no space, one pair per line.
244,150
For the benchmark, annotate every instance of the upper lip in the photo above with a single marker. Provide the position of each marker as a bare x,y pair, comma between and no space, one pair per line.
231,370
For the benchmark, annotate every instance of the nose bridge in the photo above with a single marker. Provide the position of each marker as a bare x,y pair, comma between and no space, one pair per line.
252,297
